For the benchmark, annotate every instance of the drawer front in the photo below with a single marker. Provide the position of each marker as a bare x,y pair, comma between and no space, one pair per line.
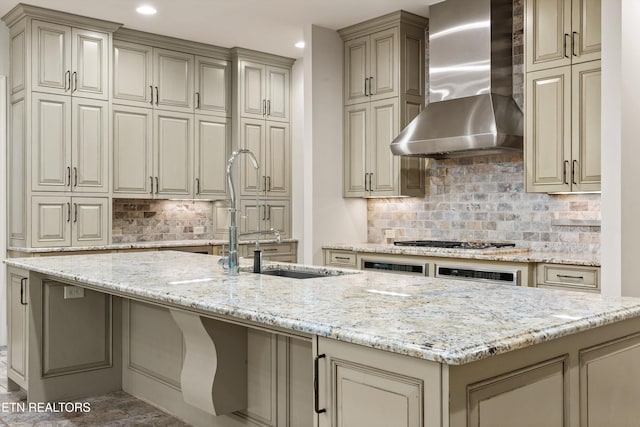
342,258
268,249
568,277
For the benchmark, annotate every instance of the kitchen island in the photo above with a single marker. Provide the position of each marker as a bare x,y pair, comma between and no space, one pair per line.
431,352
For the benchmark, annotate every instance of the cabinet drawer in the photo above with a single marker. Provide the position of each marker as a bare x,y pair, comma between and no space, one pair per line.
342,258
569,277
268,249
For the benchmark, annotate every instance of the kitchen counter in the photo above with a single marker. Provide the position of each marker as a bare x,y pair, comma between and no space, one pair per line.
141,245
500,254
444,321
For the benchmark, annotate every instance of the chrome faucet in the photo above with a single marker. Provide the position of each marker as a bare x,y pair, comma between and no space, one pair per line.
262,232
234,268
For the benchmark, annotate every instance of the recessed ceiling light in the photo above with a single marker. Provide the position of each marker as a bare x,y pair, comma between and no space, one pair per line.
146,10
300,44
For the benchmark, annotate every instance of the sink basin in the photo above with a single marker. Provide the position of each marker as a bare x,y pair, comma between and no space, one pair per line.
294,274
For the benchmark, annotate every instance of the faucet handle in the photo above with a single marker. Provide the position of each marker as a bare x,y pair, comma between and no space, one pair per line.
224,260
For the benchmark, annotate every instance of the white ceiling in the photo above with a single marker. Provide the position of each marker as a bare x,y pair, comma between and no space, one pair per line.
266,25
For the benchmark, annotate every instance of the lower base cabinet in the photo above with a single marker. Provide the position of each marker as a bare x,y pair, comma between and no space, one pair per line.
17,327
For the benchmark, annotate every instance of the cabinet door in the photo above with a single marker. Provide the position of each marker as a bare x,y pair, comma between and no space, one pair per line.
356,70
548,130
277,159
51,223
252,82
586,91
587,30
90,158
252,136
51,143
90,66
173,145
213,144
17,326
384,74
132,74
383,168
51,58
173,79
252,216
132,133
90,222
356,134
278,216
547,34
278,93
213,86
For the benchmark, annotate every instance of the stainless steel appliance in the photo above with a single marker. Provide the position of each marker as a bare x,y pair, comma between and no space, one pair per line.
398,267
471,110
448,244
489,275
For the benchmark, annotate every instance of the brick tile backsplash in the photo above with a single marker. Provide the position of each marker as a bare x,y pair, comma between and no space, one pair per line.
160,220
483,198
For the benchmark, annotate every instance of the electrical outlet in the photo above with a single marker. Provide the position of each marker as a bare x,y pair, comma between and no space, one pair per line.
198,229
73,292
390,233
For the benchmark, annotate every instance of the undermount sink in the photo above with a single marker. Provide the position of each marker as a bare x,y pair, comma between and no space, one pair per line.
304,272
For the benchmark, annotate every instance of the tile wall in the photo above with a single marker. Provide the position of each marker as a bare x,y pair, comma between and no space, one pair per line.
483,198
160,220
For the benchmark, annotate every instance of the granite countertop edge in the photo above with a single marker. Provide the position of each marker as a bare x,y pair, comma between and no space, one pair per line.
505,255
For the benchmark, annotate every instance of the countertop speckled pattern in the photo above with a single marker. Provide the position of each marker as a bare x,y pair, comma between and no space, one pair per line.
502,254
141,245
452,322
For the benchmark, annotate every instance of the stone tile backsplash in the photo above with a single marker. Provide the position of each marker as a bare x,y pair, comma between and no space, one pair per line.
483,198
160,220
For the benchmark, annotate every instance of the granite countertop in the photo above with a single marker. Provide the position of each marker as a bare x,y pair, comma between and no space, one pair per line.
142,245
499,254
447,321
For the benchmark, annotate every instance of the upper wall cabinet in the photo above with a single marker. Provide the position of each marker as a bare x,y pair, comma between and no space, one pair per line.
70,61
264,91
169,79
384,89
562,32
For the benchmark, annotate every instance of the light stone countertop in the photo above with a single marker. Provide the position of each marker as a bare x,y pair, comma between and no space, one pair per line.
498,254
142,245
447,321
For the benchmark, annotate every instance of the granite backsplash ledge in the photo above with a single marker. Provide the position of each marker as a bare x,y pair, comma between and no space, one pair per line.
160,220
483,198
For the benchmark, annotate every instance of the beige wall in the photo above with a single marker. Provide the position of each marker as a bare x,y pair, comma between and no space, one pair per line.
621,153
328,217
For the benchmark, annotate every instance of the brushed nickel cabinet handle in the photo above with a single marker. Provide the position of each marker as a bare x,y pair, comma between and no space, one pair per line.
268,212
264,107
316,391
370,179
573,43
157,185
366,81
68,212
75,212
566,276
75,81
268,183
197,185
565,166
197,100
269,249
366,176
564,47
151,89
370,86
157,95
69,176
268,107
67,80
151,179
75,176
343,258
264,183
574,167
23,287
264,212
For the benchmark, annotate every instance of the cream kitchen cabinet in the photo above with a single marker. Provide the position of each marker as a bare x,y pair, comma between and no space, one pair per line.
166,79
270,213
264,91
70,144
384,90
70,61
563,144
152,152
69,221
372,67
562,32
17,327
370,167
212,149
270,143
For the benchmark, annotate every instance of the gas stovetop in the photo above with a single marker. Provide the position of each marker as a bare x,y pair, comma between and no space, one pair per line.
453,245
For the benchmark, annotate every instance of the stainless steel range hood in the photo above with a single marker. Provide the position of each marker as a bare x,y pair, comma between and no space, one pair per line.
471,110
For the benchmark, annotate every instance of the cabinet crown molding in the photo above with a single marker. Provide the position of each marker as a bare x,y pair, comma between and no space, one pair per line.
172,43
382,23
266,58
25,10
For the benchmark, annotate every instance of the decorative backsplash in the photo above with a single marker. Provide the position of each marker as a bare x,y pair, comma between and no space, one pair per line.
483,198
160,220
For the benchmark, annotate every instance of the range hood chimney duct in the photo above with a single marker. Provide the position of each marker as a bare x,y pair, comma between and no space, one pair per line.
471,110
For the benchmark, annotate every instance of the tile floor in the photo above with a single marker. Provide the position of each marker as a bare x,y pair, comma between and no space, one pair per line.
113,409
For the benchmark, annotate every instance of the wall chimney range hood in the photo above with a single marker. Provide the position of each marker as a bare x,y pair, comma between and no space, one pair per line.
471,110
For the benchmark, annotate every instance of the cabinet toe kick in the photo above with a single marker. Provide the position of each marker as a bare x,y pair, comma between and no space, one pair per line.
214,371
